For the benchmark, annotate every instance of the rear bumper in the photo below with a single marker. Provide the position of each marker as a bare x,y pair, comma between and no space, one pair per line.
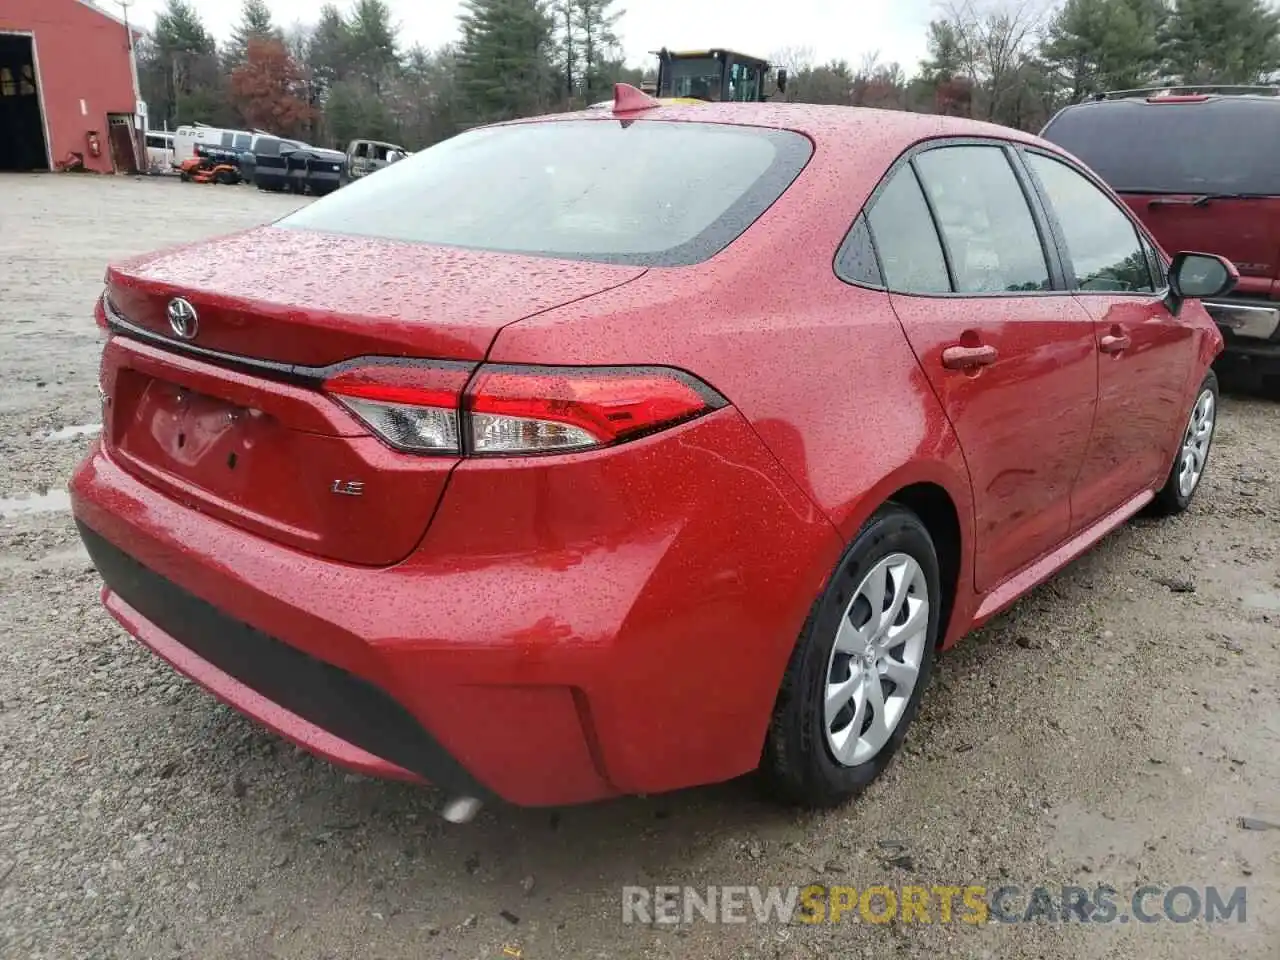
588,637
312,703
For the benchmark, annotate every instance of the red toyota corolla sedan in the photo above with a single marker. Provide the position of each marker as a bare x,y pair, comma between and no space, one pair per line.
616,452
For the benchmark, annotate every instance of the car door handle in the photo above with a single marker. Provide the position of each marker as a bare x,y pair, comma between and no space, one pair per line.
1114,343
969,358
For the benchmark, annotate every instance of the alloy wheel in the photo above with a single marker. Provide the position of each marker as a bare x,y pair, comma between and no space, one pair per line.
1195,443
875,661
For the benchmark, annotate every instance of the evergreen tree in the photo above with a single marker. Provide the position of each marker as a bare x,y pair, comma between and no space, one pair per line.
426,97
830,83
1096,45
255,24
946,60
179,29
371,43
505,66
596,25
566,40
328,51
1222,41
354,110
192,84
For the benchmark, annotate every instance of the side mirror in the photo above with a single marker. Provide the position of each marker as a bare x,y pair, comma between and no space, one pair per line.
1197,276
782,79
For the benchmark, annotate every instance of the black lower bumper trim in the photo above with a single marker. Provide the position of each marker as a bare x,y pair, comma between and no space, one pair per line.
329,697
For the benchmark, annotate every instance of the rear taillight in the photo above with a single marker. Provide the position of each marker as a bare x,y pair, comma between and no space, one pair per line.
515,410
544,409
412,407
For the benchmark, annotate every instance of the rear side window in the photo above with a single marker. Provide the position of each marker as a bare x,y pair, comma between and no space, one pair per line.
634,192
910,252
983,214
1103,246
1229,145
856,260
267,147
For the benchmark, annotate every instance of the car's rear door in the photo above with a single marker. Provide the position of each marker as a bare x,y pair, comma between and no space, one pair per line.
1146,354
1009,353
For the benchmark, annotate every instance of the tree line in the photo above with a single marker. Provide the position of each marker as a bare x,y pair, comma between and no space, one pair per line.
348,75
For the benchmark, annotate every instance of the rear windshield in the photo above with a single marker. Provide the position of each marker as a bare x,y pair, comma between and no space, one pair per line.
643,193
1231,145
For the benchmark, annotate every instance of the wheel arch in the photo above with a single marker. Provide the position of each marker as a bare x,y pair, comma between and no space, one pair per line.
937,491
937,511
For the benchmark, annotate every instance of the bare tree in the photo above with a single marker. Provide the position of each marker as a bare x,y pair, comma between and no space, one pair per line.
995,43
878,84
794,59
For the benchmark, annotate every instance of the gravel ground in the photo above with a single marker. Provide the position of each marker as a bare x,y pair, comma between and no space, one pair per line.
1112,728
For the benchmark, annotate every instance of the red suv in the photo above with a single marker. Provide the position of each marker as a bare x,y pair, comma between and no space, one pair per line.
627,450
1201,168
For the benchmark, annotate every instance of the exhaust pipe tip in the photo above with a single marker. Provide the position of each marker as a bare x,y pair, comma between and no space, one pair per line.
461,809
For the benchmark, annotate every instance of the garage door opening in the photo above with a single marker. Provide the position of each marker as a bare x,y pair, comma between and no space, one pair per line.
22,143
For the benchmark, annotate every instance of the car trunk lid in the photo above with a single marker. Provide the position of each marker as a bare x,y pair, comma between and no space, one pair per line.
309,298
232,421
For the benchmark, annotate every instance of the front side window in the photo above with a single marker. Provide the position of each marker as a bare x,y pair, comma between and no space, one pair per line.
1103,248
634,192
983,214
904,235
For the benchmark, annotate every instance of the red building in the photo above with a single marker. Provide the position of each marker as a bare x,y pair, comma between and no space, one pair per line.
67,86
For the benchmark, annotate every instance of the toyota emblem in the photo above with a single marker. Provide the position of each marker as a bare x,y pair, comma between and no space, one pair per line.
182,318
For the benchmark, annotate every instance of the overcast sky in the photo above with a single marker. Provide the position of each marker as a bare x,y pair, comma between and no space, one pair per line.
847,29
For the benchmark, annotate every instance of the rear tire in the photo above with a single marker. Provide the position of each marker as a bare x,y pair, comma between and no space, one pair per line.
1192,458
826,745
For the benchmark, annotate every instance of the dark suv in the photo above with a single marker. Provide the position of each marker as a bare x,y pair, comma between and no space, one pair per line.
1201,168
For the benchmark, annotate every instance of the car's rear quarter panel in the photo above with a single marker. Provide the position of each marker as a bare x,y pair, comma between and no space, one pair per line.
820,368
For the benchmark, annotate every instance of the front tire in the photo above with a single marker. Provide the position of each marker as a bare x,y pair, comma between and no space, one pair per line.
1193,451
860,667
